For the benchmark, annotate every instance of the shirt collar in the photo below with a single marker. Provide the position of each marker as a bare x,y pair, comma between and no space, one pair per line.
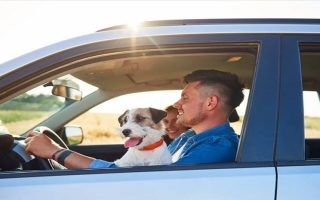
222,129
188,133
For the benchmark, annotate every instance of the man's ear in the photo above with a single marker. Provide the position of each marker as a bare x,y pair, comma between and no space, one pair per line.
122,118
212,102
157,115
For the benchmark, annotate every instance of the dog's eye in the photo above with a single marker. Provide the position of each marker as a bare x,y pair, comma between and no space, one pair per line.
140,118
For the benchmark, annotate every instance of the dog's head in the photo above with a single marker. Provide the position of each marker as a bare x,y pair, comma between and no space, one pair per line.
142,126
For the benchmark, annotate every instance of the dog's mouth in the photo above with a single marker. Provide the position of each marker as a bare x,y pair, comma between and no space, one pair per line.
132,142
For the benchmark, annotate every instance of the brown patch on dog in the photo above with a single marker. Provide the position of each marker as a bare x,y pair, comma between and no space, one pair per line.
149,117
157,115
122,119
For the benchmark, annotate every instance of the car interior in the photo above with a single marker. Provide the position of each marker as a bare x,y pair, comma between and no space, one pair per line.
139,72
148,71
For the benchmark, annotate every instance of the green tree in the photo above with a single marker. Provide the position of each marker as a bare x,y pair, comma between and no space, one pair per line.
28,102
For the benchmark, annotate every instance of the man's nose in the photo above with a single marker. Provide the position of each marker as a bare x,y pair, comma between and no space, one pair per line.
176,104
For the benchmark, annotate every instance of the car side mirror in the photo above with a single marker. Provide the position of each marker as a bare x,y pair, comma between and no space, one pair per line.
73,134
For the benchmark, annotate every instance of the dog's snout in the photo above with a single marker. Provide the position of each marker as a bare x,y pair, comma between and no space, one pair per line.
126,132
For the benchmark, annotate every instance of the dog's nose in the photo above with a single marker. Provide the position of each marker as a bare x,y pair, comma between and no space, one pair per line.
126,132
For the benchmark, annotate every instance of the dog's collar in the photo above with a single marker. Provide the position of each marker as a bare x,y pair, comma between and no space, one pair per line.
152,146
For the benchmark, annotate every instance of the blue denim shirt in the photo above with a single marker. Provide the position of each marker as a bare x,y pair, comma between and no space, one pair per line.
217,144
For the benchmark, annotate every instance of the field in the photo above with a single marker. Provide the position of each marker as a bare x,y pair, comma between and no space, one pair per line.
99,128
8,116
102,128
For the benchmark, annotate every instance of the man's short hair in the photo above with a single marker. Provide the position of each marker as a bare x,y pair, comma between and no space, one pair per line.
228,84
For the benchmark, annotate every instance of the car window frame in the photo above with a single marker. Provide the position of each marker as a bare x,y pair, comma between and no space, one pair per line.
292,152
250,140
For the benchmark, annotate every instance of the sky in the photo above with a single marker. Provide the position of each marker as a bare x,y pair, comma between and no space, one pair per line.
28,25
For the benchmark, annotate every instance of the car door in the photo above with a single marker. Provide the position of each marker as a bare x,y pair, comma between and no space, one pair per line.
297,155
252,176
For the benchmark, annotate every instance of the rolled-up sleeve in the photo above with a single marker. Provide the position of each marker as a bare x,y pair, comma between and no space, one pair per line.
101,164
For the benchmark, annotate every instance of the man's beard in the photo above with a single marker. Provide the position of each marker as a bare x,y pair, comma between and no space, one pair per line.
194,121
199,117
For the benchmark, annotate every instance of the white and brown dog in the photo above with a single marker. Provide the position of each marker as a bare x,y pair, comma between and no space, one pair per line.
144,129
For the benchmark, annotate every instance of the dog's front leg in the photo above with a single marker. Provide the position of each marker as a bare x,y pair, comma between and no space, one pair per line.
128,160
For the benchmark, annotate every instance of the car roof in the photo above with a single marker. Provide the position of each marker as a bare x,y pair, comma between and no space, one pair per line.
151,30
292,25
172,27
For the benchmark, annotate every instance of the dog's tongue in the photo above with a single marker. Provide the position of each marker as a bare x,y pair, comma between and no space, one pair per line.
131,142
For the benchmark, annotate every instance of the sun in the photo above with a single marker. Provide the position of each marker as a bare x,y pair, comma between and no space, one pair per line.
134,24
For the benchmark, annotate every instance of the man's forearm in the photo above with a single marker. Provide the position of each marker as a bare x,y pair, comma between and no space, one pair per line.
75,160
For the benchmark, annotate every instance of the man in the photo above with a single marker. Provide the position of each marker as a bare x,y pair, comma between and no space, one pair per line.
206,103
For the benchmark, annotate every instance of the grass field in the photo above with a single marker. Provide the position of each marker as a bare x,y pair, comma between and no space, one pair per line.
99,128
9,116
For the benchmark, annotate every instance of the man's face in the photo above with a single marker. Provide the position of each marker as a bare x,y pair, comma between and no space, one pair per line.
190,106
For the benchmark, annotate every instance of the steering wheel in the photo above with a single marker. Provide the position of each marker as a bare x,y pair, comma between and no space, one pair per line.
52,135
49,163
37,162
13,155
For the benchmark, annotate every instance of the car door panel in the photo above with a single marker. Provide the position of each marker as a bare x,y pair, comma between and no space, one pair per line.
295,182
227,184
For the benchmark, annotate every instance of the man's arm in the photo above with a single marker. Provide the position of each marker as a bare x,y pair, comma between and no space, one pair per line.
42,146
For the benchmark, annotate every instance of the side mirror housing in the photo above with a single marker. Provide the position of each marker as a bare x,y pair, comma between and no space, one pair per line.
73,135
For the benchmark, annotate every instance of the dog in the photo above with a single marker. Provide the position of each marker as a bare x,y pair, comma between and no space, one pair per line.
144,129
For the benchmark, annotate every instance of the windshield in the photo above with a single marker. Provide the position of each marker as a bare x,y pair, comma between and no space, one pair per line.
25,111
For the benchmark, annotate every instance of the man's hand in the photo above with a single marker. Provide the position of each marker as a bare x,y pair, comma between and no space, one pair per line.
40,145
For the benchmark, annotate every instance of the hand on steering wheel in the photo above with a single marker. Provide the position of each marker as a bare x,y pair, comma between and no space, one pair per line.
52,135
43,143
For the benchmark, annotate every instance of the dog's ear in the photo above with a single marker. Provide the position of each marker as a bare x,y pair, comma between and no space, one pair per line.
122,119
157,115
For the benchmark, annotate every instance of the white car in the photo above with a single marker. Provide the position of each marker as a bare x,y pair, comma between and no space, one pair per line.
279,151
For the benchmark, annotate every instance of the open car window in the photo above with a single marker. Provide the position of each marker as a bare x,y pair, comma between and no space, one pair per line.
25,111
117,80
100,124
310,60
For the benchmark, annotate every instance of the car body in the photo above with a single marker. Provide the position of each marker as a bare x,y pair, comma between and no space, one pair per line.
276,59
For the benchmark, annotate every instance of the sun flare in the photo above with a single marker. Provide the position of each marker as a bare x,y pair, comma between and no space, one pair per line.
134,24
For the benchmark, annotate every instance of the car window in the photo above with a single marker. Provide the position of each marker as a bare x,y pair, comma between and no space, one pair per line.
311,114
25,111
100,124
310,62
117,82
